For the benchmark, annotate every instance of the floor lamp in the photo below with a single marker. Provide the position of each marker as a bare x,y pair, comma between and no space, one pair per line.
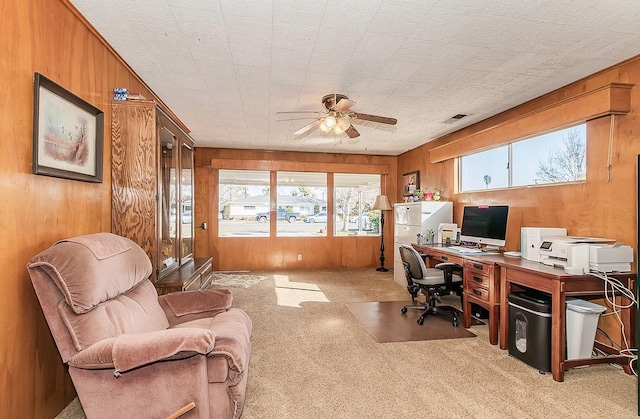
382,204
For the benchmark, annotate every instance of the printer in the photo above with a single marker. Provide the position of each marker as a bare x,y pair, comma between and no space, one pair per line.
531,237
580,253
610,257
562,253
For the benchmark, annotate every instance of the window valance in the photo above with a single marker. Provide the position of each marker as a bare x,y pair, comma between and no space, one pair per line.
612,99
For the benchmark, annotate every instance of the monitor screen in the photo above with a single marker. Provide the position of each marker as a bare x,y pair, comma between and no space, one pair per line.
484,224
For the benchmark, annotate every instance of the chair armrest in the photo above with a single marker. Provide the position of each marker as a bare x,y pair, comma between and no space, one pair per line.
129,351
448,266
180,307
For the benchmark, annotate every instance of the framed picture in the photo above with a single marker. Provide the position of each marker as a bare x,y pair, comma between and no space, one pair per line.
67,133
410,183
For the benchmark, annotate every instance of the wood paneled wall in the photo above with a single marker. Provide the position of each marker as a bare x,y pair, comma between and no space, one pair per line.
281,252
49,37
597,207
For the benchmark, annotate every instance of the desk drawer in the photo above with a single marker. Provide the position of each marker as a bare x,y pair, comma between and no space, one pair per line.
476,292
478,268
476,281
437,258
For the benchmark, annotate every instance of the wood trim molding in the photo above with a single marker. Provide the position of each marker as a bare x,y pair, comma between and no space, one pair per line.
300,166
612,99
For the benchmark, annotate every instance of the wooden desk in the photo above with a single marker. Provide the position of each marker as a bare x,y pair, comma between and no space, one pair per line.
488,279
556,282
481,282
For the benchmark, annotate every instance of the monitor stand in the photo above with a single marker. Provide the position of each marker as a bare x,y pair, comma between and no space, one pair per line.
490,248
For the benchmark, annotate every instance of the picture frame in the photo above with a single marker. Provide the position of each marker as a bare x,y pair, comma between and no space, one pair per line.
67,134
410,182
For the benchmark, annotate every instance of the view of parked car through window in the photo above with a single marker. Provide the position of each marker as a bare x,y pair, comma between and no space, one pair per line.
320,217
301,204
281,214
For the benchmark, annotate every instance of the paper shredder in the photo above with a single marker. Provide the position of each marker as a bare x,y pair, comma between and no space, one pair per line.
530,328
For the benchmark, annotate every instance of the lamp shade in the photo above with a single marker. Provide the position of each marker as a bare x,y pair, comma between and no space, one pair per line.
382,203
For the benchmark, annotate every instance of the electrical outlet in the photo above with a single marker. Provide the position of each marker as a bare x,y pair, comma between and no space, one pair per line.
299,257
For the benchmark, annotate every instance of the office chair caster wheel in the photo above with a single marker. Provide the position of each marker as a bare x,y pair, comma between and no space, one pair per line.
420,321
404,310
456,323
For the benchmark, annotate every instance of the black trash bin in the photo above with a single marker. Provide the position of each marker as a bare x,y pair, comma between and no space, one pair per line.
530,329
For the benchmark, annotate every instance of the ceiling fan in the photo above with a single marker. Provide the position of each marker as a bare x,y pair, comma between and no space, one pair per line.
338,117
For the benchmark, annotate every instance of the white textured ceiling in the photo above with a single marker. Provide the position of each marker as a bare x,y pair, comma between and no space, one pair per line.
225,67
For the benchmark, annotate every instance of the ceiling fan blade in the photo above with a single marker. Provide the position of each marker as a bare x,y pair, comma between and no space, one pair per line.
320,113
302,118
344,105
307,127
352,132
374,118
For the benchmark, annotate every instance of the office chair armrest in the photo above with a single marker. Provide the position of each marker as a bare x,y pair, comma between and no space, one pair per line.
448,265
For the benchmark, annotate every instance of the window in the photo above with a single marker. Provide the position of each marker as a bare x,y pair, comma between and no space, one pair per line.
555,157
302,197
301,204
244,203
560,156
486,170
354,196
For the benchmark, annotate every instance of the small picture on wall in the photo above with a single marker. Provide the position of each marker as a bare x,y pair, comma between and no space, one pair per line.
410,182
67,134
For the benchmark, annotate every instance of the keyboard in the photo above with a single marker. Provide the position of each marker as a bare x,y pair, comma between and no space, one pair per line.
513,254
463,249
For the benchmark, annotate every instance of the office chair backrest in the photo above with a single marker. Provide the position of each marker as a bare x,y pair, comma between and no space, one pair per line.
410,256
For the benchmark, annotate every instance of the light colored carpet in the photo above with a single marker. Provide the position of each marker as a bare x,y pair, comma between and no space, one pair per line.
233,280
313,359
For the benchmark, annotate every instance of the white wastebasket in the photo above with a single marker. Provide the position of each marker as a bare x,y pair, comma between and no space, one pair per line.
582,323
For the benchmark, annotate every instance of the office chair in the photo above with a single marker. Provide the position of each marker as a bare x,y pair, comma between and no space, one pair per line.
434,282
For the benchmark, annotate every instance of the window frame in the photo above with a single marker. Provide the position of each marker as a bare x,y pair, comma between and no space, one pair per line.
329,170
510,162
363,227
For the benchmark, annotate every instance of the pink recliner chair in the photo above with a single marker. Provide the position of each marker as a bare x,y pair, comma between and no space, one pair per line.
131,353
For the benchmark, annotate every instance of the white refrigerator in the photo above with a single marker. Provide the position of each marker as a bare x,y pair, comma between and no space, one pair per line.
411,219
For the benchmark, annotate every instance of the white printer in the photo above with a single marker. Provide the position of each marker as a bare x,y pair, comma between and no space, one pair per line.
611,257
531,237
584,252
560,252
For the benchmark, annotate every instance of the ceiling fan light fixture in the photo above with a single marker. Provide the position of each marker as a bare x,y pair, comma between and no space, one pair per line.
330,121
324,127
344,122
337,118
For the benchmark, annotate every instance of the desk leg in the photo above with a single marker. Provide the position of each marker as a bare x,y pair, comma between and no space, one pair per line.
466,312
558,330
494,320
505,289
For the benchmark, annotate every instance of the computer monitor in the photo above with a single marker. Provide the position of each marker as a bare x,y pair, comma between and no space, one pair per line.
485,225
